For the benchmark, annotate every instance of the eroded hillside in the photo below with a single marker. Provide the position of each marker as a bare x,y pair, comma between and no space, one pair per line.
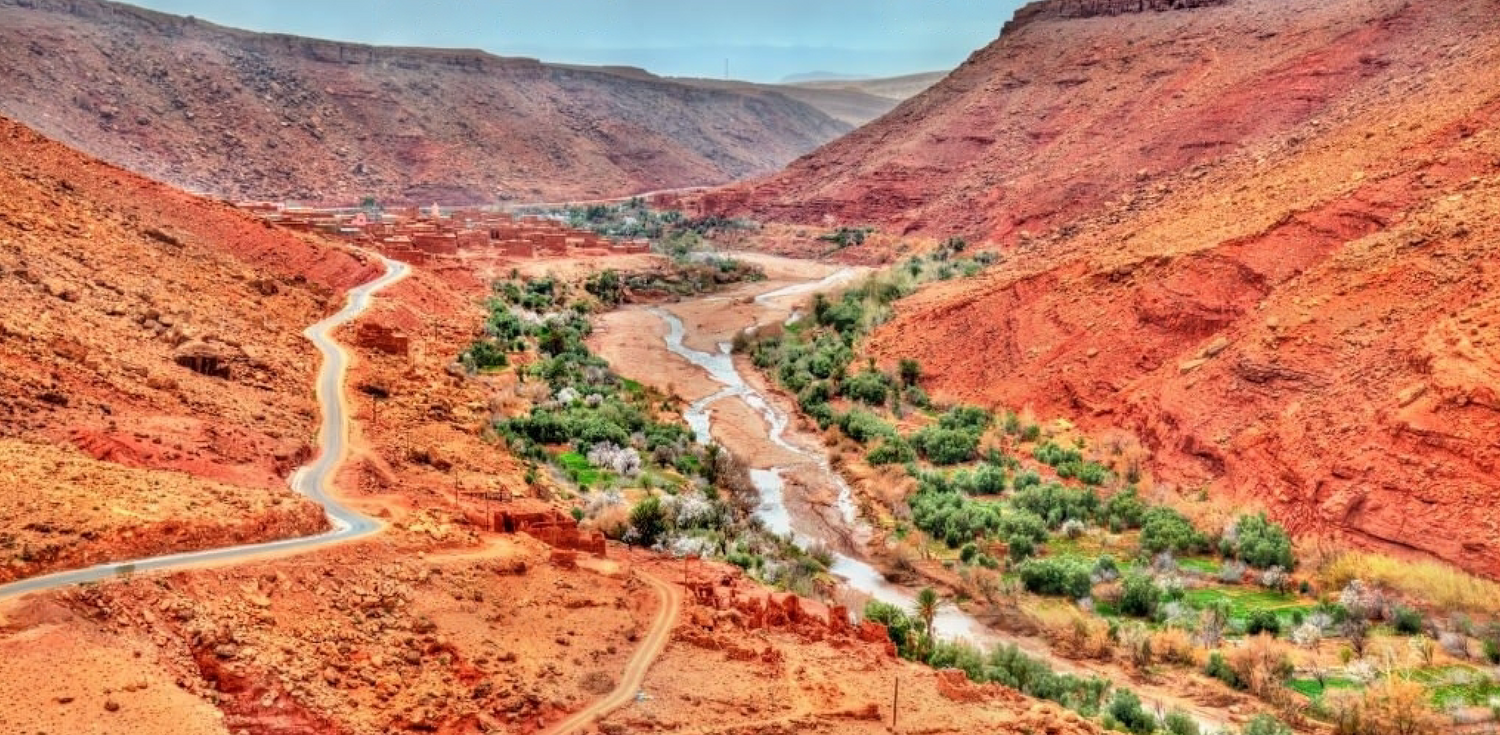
155,376
1062,114
1302,316
248,115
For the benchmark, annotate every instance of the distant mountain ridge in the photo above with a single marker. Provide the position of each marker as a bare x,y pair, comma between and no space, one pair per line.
250,115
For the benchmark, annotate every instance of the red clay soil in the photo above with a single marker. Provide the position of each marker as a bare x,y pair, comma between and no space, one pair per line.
1061,115
113,286
247,115
1310,323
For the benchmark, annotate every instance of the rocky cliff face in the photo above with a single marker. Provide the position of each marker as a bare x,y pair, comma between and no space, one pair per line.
249,115
1260,238
1091,8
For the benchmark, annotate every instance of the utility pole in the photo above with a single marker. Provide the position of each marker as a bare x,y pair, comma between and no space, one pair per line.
895,697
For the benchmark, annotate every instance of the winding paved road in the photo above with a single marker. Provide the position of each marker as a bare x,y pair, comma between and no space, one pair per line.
313,480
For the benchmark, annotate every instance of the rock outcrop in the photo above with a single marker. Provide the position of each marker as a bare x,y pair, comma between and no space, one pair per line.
1090,8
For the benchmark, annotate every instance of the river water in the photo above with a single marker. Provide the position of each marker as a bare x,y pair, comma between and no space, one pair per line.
843,522
856,573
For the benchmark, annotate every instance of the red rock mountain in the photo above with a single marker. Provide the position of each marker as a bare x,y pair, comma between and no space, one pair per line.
1262,236
249,115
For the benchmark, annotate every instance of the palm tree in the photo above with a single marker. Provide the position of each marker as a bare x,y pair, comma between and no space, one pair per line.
926,610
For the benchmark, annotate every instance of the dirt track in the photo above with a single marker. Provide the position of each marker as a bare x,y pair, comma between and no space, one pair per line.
640,663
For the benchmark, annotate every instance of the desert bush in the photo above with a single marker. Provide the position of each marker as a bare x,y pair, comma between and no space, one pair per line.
1261,665
1392,706
1455,643
1072,528
1172,646
612,521
1276,579
1212,621
1077,635
1232,571
1441,585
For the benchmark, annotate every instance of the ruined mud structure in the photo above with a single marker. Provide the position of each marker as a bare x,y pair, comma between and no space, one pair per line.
423,236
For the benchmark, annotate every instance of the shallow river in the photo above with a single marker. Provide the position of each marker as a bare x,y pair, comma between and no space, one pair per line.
856,573
843,520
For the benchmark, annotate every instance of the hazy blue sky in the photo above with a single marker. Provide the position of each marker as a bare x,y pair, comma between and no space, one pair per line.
764,40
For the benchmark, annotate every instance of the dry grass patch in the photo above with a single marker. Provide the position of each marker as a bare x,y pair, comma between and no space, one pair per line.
1435,583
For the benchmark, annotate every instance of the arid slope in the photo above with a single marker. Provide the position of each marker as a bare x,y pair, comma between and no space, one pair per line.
113,285
249,115
1059,115
1304,317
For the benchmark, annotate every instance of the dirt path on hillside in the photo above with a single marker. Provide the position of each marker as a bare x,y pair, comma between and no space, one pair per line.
670,600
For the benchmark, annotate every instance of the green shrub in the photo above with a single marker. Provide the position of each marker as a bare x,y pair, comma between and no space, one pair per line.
898,625
868,387
1178,722
484,354
1266,725
863,426
911,371
1408,621
967,418
1023,524
1164,529
1020,548
1220,669
989,479
1139,596
1263,621
942,446
968,552
1262,544
1057,577
1126,710
1125,509
649,521
892,451
1052,454
1057,504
